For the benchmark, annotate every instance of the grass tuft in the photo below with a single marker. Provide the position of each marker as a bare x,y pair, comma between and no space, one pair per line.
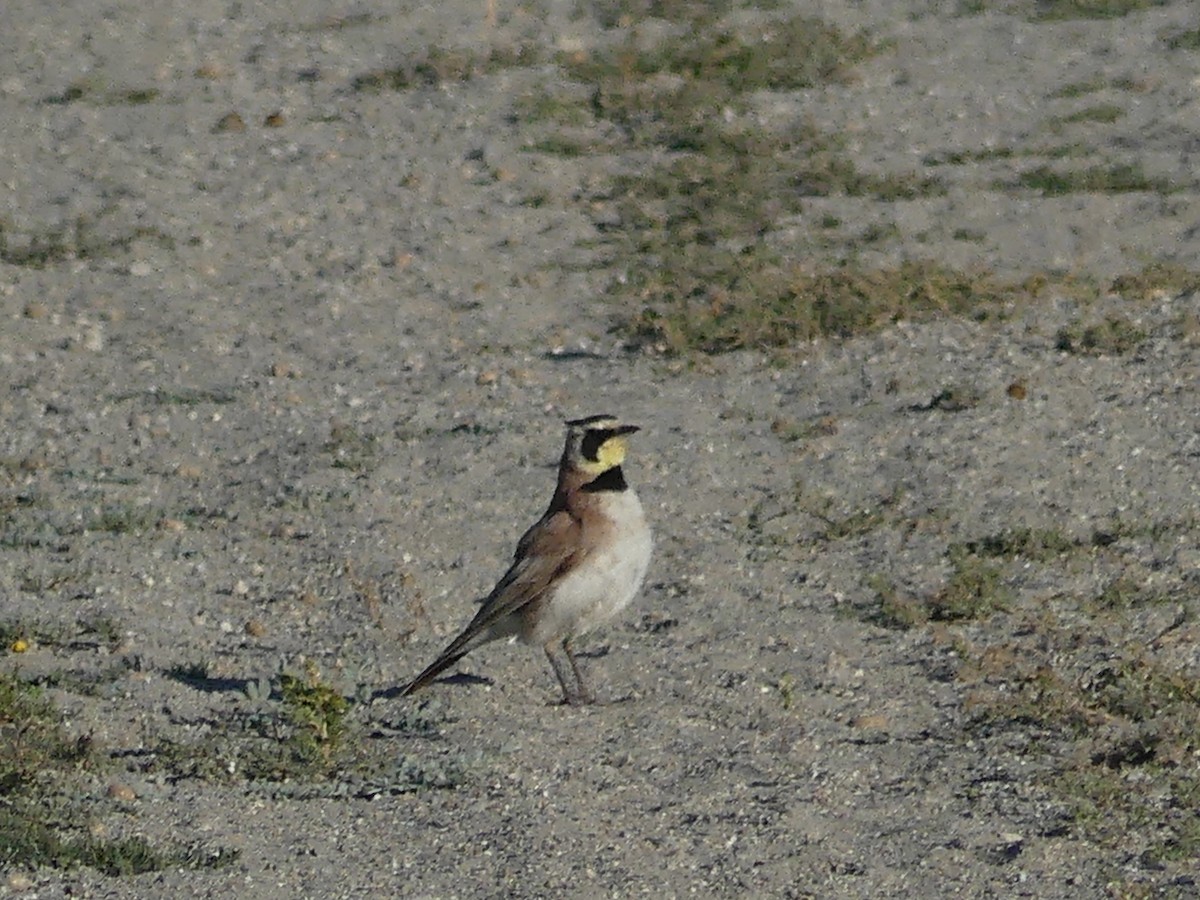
1029,543
975,590
41,820
1104,113
1115,336
1184,40
715,310
1116,179
438,66
1056,10
317,713
82,238
1157,279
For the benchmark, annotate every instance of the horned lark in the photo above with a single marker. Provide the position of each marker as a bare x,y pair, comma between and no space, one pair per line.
578,566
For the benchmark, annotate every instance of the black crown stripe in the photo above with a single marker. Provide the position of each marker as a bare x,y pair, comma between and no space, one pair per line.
589,420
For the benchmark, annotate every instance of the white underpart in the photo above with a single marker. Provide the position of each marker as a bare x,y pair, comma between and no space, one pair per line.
605,582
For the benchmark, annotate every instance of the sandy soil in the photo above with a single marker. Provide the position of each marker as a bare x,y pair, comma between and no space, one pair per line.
300,385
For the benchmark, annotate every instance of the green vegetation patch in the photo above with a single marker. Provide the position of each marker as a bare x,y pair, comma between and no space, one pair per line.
781,55
317,714
974,590
439,65
96,91
1041,544
1114,336
692,13
82,238
1104,113
1079,89
32,739
1116,179
691,244
1058,10
86,632
677,93
975,587
967,157
1138,783
1052,10
1184,40
42,815
713,308
1097,679
122,518
350,448
1156,279
690,238
300,735
28,842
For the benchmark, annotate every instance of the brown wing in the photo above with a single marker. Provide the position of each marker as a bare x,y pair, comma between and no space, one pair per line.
544,551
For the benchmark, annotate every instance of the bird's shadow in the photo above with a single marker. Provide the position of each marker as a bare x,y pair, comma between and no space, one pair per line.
457,678
195,678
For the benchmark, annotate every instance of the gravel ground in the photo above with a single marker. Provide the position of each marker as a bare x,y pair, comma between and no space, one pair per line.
295,384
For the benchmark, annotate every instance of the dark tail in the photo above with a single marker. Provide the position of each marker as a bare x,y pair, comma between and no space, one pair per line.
472,636
443,662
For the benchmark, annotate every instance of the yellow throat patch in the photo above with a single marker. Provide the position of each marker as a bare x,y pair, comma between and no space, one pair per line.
610,455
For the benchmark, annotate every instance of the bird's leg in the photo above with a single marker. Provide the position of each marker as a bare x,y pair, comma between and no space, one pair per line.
574,691
562,669
585,695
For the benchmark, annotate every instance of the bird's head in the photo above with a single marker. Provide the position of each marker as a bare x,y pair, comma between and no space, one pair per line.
596,444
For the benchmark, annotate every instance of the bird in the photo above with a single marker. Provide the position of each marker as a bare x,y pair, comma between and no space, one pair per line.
575,568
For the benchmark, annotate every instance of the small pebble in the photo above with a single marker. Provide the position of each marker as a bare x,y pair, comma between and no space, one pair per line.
122,792
230,123
19,881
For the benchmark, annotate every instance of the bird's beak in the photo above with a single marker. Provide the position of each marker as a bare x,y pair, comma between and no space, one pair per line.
626,429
